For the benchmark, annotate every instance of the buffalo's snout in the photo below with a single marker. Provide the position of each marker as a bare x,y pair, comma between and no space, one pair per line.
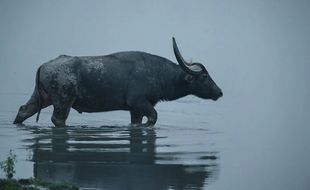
217,93
220,93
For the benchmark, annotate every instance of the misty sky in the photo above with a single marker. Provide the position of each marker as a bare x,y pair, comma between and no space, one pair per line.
257,42
257,51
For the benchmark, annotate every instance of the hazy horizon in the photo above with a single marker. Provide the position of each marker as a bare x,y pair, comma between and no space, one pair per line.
258,52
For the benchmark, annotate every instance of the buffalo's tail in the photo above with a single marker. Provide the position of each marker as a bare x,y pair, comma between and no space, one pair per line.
38,87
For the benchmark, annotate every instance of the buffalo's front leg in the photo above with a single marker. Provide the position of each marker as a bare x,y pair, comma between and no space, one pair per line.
146,109
151,115
136,118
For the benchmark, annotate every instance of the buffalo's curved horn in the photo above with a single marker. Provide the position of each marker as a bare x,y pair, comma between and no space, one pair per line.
191,68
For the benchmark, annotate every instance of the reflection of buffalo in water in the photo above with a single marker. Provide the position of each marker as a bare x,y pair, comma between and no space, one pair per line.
103,158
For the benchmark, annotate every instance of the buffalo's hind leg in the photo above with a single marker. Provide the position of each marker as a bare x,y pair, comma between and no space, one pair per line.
32,106
61,111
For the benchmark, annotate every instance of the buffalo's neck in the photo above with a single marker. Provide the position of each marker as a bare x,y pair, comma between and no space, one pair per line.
175,86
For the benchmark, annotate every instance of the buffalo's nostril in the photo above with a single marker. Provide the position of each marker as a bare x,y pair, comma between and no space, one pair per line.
221,94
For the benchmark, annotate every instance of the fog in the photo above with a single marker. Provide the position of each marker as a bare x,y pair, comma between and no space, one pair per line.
258,52
243,44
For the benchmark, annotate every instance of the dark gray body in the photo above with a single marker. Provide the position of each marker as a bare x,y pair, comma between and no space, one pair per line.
133,81
105,83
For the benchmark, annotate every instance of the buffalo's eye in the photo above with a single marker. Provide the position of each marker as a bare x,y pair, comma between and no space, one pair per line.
205,75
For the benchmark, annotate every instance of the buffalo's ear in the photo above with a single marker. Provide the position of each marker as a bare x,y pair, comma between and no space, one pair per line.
189,78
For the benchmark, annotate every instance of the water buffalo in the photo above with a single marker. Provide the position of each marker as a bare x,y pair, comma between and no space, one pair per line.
133,81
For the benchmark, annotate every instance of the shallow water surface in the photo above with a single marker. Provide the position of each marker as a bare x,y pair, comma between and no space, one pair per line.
196,144
113,156
256,137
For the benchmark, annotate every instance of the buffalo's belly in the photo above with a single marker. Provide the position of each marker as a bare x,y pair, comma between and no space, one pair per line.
98,104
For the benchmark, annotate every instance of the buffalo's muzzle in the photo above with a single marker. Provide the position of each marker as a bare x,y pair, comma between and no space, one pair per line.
218,94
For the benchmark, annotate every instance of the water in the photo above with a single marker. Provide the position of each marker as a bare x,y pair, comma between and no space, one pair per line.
196,144
255,137
101,151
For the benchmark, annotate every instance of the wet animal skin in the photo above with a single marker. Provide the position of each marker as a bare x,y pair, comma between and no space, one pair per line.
132,81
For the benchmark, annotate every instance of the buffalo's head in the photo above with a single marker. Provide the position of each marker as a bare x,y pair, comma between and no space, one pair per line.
199,80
